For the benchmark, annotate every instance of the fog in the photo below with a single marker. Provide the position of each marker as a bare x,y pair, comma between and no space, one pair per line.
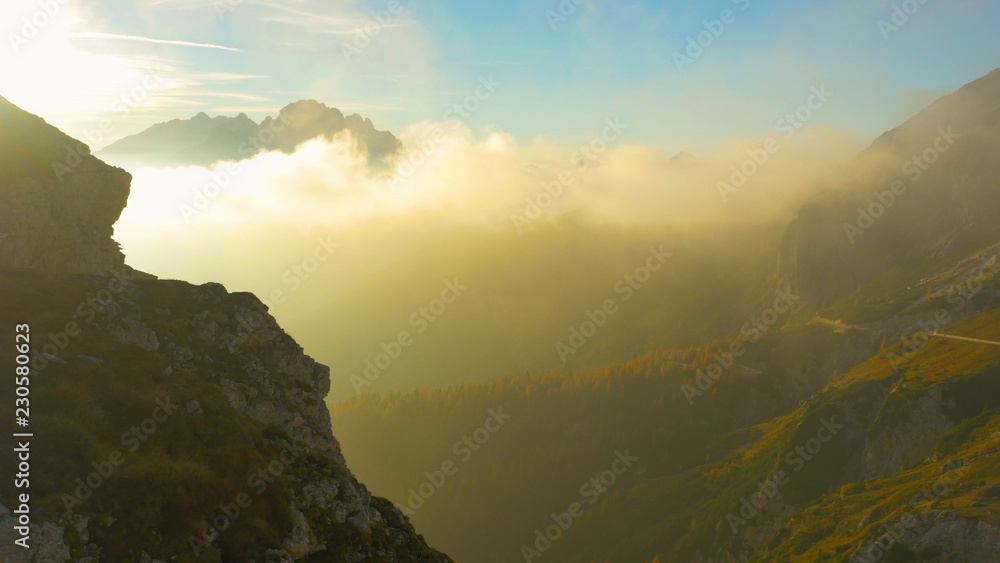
344,255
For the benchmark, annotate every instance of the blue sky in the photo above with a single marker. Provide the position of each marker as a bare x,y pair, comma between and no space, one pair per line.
558,82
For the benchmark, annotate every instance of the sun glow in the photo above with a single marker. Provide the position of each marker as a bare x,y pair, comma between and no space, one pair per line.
41,61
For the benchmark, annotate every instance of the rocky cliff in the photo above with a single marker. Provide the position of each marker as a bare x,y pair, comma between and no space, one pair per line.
173,422
58,203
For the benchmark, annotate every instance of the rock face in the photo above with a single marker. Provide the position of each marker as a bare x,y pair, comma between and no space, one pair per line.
204,140
894,448
309,119
58,203
946,199
213,354
938,536
237,457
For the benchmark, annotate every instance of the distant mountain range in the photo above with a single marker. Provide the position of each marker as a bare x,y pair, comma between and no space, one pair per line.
204,140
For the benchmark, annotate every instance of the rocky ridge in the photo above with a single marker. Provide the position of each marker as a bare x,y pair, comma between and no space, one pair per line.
205,141
120,344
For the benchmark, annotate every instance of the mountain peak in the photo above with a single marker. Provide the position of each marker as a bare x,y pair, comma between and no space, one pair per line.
305,105
309,108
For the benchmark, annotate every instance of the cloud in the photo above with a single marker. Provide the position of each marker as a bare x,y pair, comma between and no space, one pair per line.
451,179
95,62
117,37
99,86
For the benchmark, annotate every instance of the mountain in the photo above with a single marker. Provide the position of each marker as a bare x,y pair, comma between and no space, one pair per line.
916,439
169,421
861,424
58,202
923,191
204,140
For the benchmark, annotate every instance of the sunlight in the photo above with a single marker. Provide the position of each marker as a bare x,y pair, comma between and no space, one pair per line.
41,62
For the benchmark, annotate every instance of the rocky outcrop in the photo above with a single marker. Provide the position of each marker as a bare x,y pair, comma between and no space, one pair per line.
231,341
227,346
249,401
48,547
309,119
894,447
934,536
58,203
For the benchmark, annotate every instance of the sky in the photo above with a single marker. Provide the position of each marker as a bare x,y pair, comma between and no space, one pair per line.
104,69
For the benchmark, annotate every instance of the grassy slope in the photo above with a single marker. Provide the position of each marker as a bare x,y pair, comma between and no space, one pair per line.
701,460
825,522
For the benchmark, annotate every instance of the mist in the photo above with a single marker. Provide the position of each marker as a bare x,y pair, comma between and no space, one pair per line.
345,256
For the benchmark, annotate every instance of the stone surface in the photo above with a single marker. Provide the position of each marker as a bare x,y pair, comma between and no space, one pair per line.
58,203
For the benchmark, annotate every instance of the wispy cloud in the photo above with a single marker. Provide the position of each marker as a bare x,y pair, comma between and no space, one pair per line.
302,17
226,76
117,37
356,28
230,96
361,106
489,63
233,110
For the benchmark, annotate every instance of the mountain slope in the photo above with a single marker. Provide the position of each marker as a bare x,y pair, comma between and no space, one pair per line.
840,413
170,422
924,190
905,414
